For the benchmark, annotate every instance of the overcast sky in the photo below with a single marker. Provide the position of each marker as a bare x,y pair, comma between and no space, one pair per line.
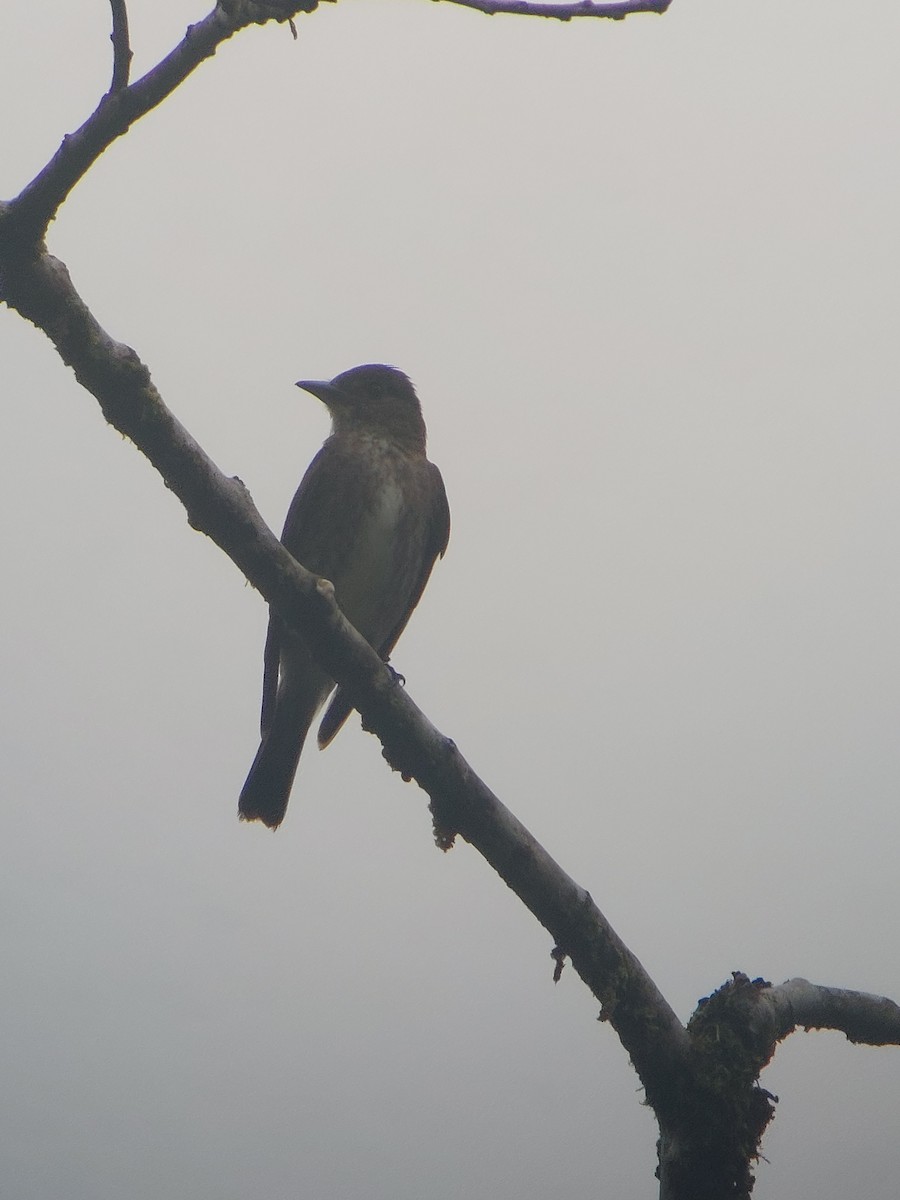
644,275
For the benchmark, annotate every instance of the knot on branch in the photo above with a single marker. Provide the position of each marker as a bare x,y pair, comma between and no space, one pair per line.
735,1026
714,1132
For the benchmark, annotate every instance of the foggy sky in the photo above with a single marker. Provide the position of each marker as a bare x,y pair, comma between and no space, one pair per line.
644,276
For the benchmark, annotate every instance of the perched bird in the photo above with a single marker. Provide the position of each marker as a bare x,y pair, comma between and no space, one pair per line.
371,515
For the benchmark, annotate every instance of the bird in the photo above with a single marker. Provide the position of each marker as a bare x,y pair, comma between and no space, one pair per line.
370,515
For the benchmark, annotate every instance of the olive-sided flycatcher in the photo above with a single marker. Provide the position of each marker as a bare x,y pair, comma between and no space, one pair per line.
371,515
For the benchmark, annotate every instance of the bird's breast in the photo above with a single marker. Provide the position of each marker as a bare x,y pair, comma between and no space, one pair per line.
375,580
377,534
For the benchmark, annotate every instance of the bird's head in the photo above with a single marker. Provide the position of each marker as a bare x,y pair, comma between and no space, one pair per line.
373,399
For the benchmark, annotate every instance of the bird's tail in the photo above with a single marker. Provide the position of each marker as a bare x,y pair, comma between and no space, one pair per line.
264,796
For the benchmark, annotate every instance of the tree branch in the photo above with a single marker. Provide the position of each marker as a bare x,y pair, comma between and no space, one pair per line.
864,1018
565,12
39,287
121,46
36,205
701,1082
710,1138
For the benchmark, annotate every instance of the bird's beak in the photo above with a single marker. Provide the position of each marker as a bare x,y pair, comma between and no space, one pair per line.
320,388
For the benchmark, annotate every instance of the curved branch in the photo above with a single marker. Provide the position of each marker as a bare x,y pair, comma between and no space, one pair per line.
710,1138
565,12
121,46
864,1018
36,205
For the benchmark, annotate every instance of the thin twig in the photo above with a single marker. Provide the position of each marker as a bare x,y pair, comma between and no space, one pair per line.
565,12
121,46
33,209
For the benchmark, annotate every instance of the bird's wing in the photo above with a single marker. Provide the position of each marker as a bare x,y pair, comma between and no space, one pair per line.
271,662
319,503
315,496
438,536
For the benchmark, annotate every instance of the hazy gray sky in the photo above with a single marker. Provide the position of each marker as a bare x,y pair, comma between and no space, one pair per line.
644,275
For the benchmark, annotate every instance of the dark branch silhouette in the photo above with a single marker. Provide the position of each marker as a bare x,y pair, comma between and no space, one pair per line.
121,46
865,1019
34,208
40,288
565,12
702,1081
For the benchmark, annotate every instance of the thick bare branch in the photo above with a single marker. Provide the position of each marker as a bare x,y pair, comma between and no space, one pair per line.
709,1141
565,12
121,46
864,1018
39,286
